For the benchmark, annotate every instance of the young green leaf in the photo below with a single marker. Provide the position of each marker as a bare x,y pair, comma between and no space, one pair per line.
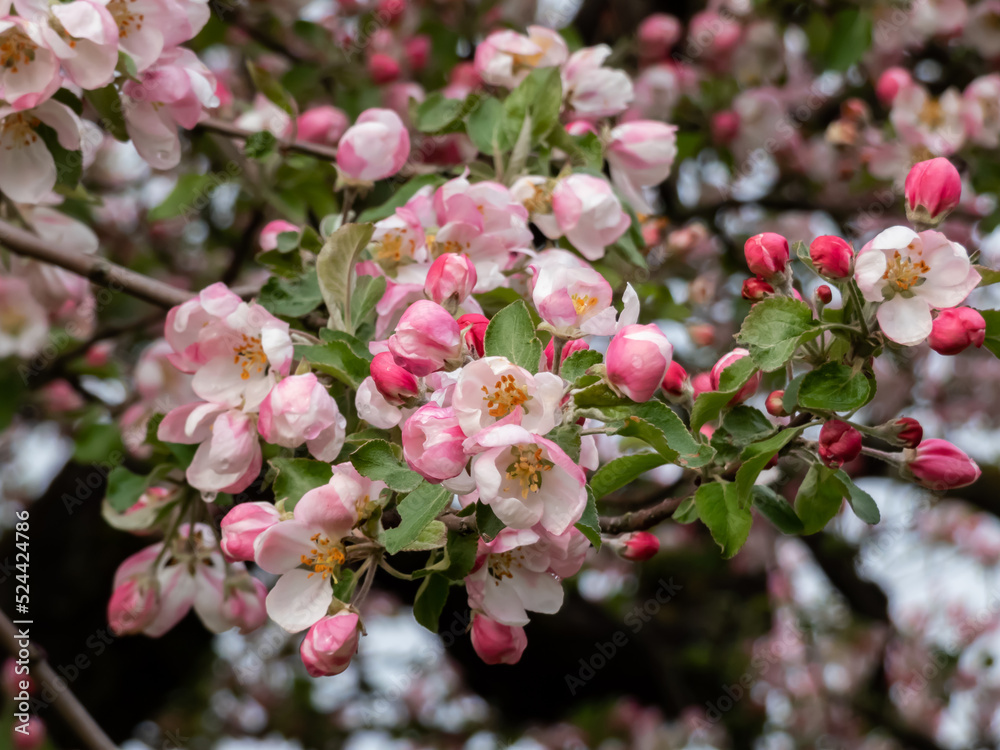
774,329
296,476
511,334
376,460
720,510
416,510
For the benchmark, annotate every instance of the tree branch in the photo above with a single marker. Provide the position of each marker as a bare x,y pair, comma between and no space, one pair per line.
641,519
99,270
215,125
72,711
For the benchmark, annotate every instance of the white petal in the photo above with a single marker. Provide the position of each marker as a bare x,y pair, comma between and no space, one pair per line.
299,601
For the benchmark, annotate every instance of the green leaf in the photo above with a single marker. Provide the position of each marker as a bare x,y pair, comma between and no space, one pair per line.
487,522
774,329
433,536
416,510
777,510
482,122
95,441
861,502
291,297
437,114
190,195
687,511
335,269
790,401
430,600
992,342
710,404
511,334
336,358
834,387
590,523
585,150
621,471
851,35
538,97
745,425
819,498
461,551
124,488
755,457
720,510
345,584
296,476
989,276
400,197
260,145
376,460
268,85
108,105
577,364
368,291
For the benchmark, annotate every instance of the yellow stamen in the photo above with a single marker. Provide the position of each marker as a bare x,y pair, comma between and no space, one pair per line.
507,395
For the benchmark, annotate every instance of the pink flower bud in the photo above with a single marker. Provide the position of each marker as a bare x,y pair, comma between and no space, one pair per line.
432,443
569,347
382,68
244,606
426,337
838,443
957,328
496,643
638,546
31,739
824,294
133,606
16,678
933,189
766,254
701,383
702,334
269,234
832,256
725,127
580,127
908,432
417,50
642,151
637,360
393,382
298,408
657,34
330,644
676,379
375,147
242,525
756,289
474,326
775,404
890,82
390,11
323,125
451,279
749,388
939,465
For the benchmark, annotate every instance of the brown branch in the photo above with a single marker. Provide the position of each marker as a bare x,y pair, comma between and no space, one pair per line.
641,519
99,270
72,711
215,125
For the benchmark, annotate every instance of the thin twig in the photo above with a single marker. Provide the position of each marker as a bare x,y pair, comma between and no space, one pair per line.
72,711
215,125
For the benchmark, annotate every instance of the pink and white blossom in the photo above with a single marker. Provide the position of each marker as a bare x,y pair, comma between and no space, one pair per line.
375,147
591,90
505,58
492,388
300,410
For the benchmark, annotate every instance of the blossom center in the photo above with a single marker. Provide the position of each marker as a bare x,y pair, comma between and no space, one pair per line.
325,558
12,321
902,272
506,396
16,49
390,249
582,302
541,201
249,354
499,566
932,114
124,16
527,468
18,130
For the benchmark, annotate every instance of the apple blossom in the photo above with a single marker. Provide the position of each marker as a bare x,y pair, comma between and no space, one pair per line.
27,168
496,643
492,388
450,279
505,58
956,329
297,410
324,124
395,383
24,324
890,83
591,90
839,443
641,154
576,301
432,443
939,465
330,644
775,404
242,525
766,254
832,256
637,360
909,274
375,147
82,34
755,289
933,189
269,234
657,34
473,327
426,338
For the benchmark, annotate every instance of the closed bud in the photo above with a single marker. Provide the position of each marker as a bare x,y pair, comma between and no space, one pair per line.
839,443
376,146
906,431
957,328
269,234
832,256
324,125
426,338
473,326
725,127
242,525
432,443
657,34
748,389
496,643
824,294
756,289
767,254
676,380
569,347
638,546
890,82
396,383
382,68
134,604
775,404
296,409
939,465
330,644
244,606
637,360
451,279
933,188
